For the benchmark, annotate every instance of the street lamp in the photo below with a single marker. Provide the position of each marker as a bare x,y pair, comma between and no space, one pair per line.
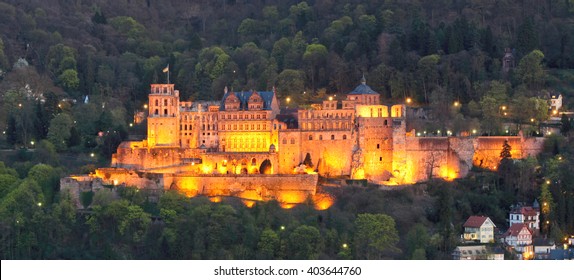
409,100
456,104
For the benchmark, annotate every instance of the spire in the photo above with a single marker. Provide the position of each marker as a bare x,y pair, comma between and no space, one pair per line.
225,90
363,80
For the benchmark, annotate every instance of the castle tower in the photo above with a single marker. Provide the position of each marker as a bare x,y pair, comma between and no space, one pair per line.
163,120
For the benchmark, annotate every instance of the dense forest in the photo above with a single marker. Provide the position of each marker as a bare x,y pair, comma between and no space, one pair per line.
435,52
73,73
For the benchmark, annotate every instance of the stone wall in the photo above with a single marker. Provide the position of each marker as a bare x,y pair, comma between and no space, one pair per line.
283,188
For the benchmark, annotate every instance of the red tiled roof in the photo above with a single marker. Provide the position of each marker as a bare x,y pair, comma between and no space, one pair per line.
515,229
475,221
525,210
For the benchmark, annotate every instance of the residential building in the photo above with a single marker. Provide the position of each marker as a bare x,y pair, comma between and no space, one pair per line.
479,229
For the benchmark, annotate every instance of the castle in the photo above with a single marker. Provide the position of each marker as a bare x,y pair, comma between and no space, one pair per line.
246,133
197,147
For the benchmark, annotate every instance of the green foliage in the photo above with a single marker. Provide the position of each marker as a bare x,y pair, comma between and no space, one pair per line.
59,131
530,70
304,243
127,26
375,236
268,245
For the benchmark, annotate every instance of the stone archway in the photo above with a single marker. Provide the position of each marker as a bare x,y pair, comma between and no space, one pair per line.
266,167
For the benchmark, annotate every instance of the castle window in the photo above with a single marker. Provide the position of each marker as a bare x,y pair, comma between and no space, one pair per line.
203,127
165,111
264,127
378,146
234,127
156,111
165,102
252,127
320,137
344,136
186,127
156,102
380,158
332,137
310,137
274,126
284,141
253,162
292,140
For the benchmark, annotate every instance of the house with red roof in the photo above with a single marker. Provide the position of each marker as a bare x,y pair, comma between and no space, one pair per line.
519,238
529,215
478,229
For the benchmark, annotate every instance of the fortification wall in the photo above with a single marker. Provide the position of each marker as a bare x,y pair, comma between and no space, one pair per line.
453,157
283,188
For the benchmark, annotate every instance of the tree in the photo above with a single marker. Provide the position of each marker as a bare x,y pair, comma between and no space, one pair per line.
304,243
268,245
315,56
530,70
69,79
59,131
506,151
290,82
428,72
375,236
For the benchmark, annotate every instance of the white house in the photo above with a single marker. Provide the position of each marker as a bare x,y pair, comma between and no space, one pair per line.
525,215
479,229
556,102
519,237
542,248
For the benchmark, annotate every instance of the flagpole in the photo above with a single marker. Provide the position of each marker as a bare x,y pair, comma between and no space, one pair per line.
168,73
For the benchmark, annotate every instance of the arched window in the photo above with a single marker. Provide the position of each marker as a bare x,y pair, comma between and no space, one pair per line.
292,140
332,137
320,137
253,162
310,137
165,102
284,140
385,122
344,136
165,111
156,112
156,102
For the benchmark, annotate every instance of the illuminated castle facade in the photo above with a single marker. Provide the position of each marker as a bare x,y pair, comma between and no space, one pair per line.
247,133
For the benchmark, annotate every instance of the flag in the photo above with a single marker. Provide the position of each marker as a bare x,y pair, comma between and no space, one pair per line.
166,69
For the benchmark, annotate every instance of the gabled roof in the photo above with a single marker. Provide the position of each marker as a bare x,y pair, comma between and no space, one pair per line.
525,210
515,229
363,88
476,221
243,97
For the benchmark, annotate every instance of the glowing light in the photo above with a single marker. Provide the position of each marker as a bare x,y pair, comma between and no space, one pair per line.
532,120
554,112
288,99
287,205
248,203
282,227
32,143
116,182
131,124
322,201
548,182
456,104
474,131
39,204
345,245
215,199
92,155
145,106
503,107
330,98
206,169
409,100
